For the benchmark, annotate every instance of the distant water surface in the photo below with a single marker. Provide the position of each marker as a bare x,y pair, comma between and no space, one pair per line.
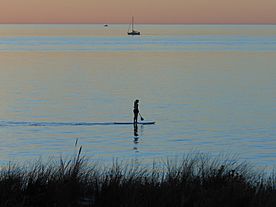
210,88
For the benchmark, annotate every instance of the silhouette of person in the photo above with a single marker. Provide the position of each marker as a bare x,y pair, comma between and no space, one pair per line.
136,111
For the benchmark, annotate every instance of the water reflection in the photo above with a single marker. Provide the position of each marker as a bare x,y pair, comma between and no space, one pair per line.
135,137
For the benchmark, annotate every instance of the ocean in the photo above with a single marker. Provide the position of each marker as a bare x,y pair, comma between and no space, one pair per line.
209,88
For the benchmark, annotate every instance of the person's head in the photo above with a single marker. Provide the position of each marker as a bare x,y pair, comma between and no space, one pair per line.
136,101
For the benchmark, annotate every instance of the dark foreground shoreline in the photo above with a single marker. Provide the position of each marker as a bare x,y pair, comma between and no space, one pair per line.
195,181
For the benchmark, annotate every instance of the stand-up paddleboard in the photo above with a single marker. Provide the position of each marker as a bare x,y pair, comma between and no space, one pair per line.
139,122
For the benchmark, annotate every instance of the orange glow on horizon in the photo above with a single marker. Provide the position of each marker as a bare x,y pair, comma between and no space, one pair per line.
145,11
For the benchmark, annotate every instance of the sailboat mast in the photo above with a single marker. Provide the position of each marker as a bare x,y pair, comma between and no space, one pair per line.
132,22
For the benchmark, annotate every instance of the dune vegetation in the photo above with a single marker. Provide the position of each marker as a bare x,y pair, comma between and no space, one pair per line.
193,181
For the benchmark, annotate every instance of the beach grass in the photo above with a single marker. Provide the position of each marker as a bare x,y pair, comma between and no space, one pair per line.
196,180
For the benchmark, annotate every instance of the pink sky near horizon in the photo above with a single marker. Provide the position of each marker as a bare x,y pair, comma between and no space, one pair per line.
145,11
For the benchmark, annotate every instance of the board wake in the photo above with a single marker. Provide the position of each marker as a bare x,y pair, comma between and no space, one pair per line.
26,123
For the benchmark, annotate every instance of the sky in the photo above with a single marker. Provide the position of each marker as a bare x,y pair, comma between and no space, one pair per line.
145,11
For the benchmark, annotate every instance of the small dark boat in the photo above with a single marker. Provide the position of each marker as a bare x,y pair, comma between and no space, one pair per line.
133,32
106,25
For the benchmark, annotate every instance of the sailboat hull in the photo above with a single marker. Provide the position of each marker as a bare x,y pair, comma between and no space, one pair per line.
133,33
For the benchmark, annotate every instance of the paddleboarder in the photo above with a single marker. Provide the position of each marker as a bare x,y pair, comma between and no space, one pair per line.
136,111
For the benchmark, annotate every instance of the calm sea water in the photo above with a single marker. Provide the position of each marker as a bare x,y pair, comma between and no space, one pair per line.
210,88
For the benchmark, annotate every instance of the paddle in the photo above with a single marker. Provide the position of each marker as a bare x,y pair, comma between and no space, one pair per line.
142,119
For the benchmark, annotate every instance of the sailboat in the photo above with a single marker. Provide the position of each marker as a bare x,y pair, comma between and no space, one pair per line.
133,32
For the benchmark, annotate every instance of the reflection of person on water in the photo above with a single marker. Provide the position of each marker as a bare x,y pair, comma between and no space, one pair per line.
136,111
136,137
135,131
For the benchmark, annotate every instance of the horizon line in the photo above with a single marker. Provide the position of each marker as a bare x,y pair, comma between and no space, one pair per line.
140,23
